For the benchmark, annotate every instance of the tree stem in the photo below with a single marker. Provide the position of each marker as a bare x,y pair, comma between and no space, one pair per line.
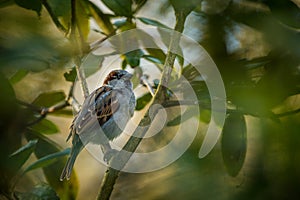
78,51
121,159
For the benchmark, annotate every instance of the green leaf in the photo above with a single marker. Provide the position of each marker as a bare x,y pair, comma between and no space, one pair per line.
199,89
82,17
124,25
190,72
138,71
34,5
10,115
47,160
133,57
185,6
45,126
18,76
180,59
143,101
152,22
44,147
49,98
158,54
120,7
39,192
71,75
124,64
36,53
153,59
152,48
91,64
61,10
138,5
102,20
205,115
19,157
189,113
122,22
234,143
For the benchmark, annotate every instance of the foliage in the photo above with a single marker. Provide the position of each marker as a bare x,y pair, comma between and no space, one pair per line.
253,43
234,143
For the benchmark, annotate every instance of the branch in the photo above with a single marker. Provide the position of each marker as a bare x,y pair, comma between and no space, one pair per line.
28,105
145,82
40,118
43,111
96,44
77,51
122,158
76,106
81,78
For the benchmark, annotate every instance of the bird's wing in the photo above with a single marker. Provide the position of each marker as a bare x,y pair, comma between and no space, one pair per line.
97,108
106,106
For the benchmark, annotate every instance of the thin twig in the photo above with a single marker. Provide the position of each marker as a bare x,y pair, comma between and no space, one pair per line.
70,93
43,111
76,106
56,107
122,158
40,118
78,51
145,81
96,44
29,105
74,102
81,79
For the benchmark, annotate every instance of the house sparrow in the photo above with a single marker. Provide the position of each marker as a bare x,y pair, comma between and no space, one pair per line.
103,117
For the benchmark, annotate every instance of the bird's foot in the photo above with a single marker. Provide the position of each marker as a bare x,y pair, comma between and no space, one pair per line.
108,155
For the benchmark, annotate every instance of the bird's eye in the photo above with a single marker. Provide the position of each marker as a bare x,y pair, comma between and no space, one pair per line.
119,76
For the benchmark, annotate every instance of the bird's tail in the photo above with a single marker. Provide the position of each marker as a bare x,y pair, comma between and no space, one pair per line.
66,173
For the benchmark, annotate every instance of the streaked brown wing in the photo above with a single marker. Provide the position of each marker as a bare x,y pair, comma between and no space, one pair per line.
106,106
97,108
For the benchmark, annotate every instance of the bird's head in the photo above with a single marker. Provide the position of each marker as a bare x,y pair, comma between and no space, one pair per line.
117,76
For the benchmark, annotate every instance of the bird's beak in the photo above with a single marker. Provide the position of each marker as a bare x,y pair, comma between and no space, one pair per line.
128,76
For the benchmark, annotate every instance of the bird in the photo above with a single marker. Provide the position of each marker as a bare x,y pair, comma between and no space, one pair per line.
103,117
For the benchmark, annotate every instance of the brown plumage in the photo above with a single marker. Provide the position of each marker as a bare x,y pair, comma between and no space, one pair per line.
114,99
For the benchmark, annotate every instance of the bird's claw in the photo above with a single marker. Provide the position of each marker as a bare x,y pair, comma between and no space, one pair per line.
108,155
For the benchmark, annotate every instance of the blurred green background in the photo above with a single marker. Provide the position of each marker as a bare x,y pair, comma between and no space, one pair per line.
255,45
